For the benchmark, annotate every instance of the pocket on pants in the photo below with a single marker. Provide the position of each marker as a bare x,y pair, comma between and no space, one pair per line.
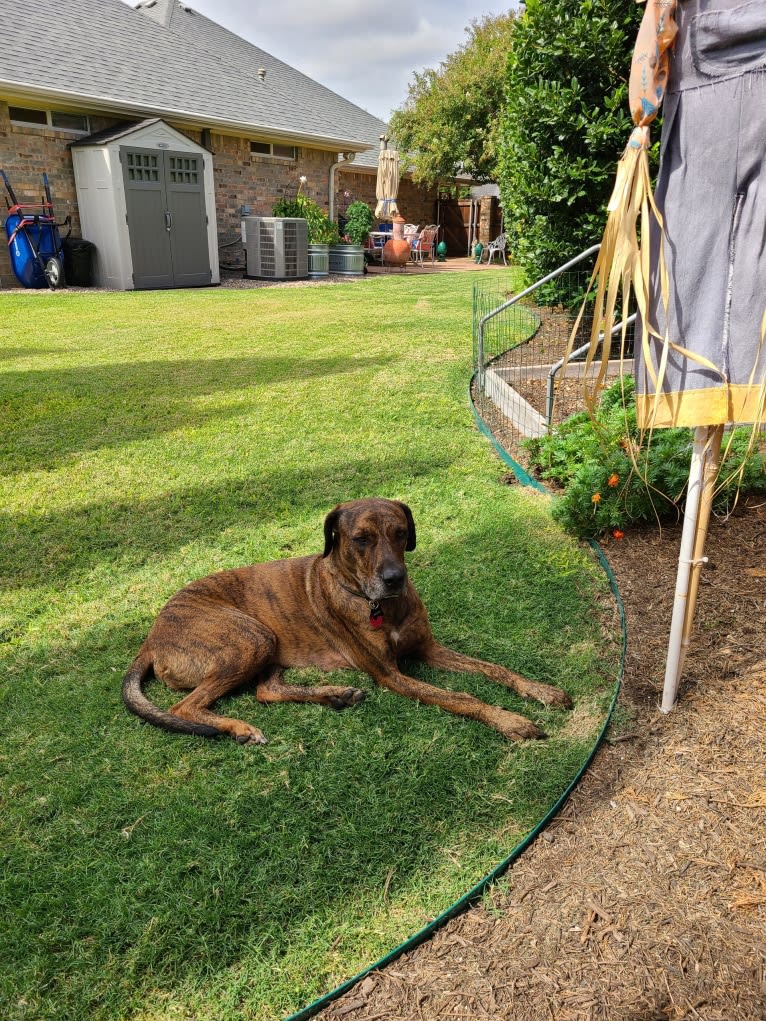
726,43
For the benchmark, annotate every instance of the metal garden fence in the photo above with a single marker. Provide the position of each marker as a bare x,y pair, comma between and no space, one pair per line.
519,345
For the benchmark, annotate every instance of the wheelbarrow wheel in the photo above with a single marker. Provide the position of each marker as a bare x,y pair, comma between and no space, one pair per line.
54,273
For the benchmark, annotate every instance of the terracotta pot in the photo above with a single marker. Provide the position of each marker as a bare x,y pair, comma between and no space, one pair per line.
396,252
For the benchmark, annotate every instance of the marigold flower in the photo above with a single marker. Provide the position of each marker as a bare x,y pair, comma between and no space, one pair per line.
614,480
596,498
618,533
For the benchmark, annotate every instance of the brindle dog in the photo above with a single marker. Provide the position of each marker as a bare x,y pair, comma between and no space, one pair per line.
350,607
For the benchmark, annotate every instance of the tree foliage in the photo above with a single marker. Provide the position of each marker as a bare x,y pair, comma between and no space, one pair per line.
450,121
565,124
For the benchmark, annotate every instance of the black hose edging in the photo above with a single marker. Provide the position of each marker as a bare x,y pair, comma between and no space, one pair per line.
472,896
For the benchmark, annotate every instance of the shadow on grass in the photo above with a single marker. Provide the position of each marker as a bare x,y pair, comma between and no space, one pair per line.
138,861
58,412
10,354
66,545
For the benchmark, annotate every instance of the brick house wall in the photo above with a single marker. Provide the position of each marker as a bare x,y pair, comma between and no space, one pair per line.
25,154
241,179
416,204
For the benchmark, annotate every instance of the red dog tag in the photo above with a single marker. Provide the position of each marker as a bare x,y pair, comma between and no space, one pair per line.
376,617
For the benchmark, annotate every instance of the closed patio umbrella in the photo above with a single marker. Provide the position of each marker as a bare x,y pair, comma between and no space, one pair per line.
387,184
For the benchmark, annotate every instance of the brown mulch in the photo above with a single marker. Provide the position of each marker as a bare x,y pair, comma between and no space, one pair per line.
645,899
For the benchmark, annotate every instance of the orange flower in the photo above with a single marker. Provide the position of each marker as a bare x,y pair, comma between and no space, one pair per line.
618,533
596,498
614,480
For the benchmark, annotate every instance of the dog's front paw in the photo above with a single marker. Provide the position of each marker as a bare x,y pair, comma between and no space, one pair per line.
515,727
546,694
344,699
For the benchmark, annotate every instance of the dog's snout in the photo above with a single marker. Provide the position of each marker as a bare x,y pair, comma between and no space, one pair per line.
392,575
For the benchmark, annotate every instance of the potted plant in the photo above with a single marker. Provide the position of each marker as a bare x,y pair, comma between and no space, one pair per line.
322,234
321,231
347,257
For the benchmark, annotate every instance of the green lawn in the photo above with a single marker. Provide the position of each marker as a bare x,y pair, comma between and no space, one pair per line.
149,438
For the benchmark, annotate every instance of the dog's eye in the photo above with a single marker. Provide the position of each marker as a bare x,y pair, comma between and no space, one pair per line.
360,540
401,535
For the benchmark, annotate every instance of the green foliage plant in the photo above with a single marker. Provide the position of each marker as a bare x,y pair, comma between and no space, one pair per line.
612,477
449,123
321,229
565,124
359,222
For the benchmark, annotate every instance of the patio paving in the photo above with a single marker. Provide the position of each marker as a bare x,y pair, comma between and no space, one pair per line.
453,264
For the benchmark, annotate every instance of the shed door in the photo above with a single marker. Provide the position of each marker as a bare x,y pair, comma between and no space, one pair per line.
167,222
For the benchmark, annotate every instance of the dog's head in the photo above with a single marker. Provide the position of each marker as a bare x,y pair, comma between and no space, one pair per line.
367,540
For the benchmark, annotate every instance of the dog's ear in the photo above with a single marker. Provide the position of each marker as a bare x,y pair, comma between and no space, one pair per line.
330,530
410,525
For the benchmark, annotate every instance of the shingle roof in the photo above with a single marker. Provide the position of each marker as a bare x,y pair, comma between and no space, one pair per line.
166,60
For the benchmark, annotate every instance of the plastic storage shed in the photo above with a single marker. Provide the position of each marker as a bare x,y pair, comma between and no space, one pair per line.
146,201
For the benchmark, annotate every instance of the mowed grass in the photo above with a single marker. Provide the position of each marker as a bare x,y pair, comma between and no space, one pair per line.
150,438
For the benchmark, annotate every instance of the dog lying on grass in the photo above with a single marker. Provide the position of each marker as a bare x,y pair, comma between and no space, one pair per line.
352,606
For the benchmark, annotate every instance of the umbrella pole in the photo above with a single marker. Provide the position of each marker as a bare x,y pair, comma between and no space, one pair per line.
699,498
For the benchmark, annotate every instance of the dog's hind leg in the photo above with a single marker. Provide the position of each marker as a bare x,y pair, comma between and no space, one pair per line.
196,707
272,688
235,649
436,655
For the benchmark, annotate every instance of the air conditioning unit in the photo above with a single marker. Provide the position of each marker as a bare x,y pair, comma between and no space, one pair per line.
276,247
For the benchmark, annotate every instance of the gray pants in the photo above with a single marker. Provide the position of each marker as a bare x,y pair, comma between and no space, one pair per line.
711,191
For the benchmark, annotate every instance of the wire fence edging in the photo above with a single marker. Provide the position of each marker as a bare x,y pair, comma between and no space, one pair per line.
471,896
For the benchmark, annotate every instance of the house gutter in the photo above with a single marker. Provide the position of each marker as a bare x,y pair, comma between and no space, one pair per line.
348,157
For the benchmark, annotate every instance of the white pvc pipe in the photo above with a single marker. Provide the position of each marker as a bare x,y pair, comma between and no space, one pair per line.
691,516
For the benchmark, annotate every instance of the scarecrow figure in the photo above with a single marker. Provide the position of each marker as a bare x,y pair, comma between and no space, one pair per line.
698,269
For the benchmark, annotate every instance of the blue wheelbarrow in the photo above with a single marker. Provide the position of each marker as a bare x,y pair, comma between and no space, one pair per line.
34,241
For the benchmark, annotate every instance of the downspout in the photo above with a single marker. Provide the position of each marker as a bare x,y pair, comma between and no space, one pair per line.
348,157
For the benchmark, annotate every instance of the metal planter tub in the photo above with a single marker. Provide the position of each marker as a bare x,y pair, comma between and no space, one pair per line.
347,260
319,261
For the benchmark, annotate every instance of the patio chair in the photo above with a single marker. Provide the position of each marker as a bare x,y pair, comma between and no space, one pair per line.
374,245
424,244
410,231
497,247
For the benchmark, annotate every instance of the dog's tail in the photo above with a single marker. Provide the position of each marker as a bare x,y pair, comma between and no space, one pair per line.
134,698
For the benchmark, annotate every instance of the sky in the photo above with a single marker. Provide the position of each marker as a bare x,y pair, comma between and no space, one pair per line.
365,50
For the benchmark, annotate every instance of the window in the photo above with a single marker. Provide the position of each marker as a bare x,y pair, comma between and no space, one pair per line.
49,118
284,152
183,169
143,167
24,116
69,121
